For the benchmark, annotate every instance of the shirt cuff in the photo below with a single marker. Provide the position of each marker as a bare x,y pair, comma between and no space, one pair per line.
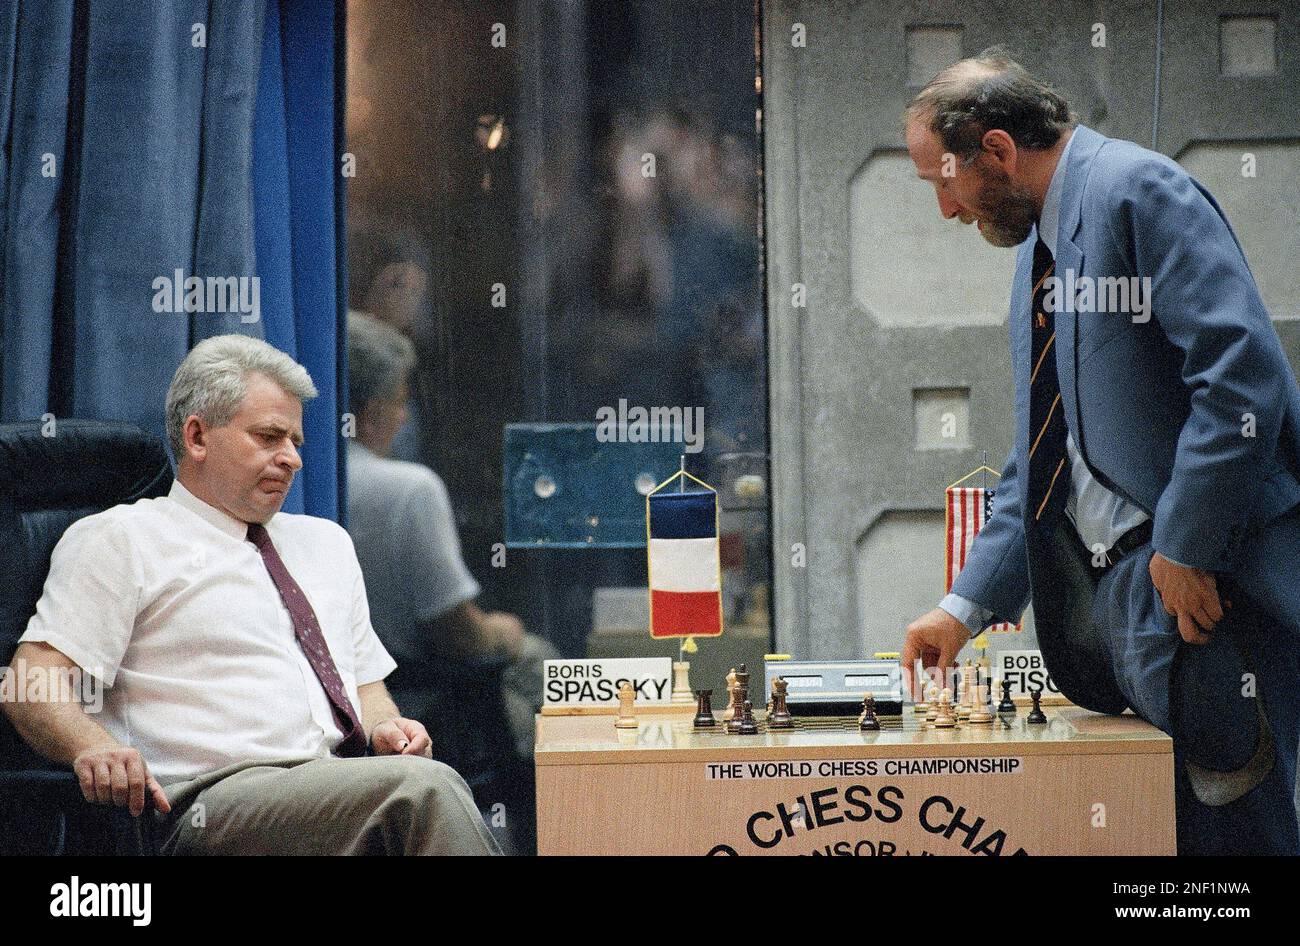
966,611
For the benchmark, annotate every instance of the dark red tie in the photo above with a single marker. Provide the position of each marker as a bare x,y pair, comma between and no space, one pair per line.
313,644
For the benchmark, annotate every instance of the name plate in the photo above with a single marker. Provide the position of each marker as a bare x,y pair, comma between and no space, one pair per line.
1026,671
591,686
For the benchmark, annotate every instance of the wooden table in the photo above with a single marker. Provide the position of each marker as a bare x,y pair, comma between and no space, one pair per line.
1081,784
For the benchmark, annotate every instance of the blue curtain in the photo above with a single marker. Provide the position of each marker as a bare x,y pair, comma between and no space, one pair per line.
142,138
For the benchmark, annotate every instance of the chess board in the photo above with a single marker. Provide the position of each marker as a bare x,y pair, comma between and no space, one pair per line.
828,724
826,787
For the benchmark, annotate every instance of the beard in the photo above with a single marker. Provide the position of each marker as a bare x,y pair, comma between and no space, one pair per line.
1010,210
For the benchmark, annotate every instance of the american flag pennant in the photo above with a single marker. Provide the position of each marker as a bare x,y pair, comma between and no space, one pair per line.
684,560
968,508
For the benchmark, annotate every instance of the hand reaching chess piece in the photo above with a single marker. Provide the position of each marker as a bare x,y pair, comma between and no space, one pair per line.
944,718
747,725
779,716
867,722
704,710
626,703
1008,705
1036,715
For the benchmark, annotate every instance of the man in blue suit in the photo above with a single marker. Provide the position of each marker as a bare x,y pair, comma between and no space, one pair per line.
1150,506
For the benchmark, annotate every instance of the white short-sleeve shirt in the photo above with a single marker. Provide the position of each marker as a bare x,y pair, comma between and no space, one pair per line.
167,603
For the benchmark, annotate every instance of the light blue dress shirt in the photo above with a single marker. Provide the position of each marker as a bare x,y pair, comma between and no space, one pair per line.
1099,516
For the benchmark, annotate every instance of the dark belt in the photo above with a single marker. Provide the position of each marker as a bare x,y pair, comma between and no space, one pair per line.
1134,538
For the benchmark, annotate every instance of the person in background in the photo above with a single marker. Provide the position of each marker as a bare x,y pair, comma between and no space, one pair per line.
390,268
421,594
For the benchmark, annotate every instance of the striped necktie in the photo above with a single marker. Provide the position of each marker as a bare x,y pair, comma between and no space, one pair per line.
312,640
1049,476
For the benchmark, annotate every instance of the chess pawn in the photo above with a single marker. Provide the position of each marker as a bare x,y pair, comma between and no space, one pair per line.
704,710
746,724
1036,715
867,722
967,698
945,719
932,702
979,714
626,702
921,704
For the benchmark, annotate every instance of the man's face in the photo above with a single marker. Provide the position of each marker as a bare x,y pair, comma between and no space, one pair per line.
981,192
384,417
246,467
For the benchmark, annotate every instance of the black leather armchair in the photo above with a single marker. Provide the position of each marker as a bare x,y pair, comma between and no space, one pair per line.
46,484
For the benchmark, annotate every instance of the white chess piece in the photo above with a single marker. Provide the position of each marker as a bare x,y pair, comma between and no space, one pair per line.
626,704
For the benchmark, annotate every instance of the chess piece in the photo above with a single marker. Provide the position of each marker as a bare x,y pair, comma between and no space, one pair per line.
681,684
729,713
740,696
1036,715
932,701
626,702
979,714
746,726
778,716
945,718
867,722
967,698
704,710
1008,705
920,704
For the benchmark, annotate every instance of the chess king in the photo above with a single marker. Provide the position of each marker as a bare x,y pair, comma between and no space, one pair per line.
1149,507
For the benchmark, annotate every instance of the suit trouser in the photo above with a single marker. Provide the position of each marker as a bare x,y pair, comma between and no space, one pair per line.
370,805
1204,695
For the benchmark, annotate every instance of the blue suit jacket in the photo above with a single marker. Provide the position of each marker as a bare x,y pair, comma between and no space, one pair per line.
1158,408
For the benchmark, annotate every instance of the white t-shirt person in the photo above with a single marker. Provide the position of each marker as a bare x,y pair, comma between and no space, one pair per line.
168,604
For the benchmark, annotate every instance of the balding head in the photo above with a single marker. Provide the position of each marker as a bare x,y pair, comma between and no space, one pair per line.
985,92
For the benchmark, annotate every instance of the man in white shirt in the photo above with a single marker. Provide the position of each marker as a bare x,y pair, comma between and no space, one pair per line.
236,645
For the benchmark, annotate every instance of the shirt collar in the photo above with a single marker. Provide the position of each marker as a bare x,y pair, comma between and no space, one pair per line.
1050,217
235,528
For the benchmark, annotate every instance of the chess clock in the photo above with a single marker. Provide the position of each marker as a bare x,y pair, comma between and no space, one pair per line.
836,687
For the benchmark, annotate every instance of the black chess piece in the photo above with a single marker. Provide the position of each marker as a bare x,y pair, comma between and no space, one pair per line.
704,710
1036,715
867,722
778,716
747,726
1008,705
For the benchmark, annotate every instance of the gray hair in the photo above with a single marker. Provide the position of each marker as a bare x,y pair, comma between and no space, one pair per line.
213,379
990,91
379,358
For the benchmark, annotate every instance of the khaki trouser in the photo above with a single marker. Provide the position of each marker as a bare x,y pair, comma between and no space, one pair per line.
370,805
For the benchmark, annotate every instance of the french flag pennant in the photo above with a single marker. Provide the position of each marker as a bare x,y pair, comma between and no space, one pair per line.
685,561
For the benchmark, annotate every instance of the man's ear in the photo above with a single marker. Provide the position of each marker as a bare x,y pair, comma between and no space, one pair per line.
1000,148
194,434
